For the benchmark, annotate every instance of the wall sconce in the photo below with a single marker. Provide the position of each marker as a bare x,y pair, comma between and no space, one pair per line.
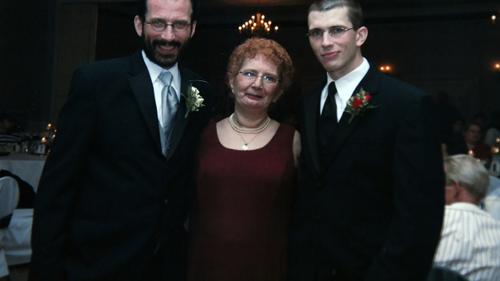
496,66
493,18
386,68
258,25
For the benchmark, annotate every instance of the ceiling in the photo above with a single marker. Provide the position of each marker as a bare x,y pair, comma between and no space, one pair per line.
232,11
495,4
256,3
372,3
295,10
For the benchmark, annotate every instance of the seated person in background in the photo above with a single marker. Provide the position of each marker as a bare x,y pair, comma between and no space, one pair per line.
7,129
472,137
494,131
7,124
470,238
455,143
447,118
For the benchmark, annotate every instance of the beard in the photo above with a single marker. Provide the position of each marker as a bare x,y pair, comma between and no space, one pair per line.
152,50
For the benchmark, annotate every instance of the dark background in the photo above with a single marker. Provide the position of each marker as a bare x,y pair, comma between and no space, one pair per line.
438,45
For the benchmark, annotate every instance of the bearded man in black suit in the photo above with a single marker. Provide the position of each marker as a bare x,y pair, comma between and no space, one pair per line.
369,204
115,189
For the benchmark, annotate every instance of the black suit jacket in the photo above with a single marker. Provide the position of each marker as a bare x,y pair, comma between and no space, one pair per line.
109,203
375,212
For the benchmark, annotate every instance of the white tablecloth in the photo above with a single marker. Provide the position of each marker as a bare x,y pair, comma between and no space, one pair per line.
27,166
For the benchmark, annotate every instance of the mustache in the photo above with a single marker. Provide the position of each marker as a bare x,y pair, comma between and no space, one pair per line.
166,43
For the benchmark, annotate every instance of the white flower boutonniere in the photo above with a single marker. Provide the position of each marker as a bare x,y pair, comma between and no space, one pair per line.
193,100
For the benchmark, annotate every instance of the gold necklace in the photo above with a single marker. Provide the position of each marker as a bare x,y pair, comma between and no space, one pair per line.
246,143
235,125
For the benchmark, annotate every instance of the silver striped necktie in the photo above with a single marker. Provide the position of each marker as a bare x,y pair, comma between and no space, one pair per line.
169,104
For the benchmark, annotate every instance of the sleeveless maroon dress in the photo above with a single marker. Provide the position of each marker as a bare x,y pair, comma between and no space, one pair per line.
242,210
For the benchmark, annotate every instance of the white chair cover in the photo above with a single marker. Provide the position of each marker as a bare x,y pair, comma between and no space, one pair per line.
4,269
17,239
9,197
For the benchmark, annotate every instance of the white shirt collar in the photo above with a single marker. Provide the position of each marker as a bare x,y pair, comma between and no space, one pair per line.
345,86
155,70
465,206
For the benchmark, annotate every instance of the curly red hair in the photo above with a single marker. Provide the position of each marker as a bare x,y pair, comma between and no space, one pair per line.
268,48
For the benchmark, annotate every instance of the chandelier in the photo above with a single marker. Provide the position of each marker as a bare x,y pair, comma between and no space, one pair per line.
258,24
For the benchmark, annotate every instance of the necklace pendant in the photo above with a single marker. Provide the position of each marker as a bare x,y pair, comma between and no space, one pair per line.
244,146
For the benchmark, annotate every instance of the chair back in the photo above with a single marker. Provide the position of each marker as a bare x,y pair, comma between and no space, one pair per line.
9,197
445,274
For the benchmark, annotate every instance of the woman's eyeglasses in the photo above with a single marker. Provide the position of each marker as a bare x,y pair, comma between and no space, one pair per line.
252,76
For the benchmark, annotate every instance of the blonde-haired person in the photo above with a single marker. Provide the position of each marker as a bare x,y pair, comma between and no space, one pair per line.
246,174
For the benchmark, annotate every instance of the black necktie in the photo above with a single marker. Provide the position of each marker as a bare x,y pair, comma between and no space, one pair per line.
327,123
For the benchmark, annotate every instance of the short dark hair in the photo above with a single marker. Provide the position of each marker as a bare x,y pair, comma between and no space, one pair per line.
354,10
471,123
142,8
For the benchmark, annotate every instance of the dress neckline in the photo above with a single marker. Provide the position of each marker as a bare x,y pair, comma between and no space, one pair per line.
249,150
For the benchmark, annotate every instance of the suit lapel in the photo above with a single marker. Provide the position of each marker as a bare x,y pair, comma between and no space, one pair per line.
180,119
142,88
344,128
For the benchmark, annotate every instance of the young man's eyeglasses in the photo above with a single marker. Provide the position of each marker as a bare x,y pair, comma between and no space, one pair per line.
160,25
333,31
252,76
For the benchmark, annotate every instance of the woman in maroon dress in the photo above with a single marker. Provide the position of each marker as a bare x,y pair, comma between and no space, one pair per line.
246,175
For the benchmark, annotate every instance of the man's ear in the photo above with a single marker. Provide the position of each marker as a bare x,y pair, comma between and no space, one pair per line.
193,28
138,25
361,35
451,193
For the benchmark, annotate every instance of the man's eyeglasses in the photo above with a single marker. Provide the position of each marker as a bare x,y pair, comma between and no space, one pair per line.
333,31
252,76
177,26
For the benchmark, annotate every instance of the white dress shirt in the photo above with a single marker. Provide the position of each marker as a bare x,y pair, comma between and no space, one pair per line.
345,87
154,73
470,243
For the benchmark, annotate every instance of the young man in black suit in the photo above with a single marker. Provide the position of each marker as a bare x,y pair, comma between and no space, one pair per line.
114,193
369,205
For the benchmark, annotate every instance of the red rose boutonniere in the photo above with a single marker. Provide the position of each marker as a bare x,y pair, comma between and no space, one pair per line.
358,104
